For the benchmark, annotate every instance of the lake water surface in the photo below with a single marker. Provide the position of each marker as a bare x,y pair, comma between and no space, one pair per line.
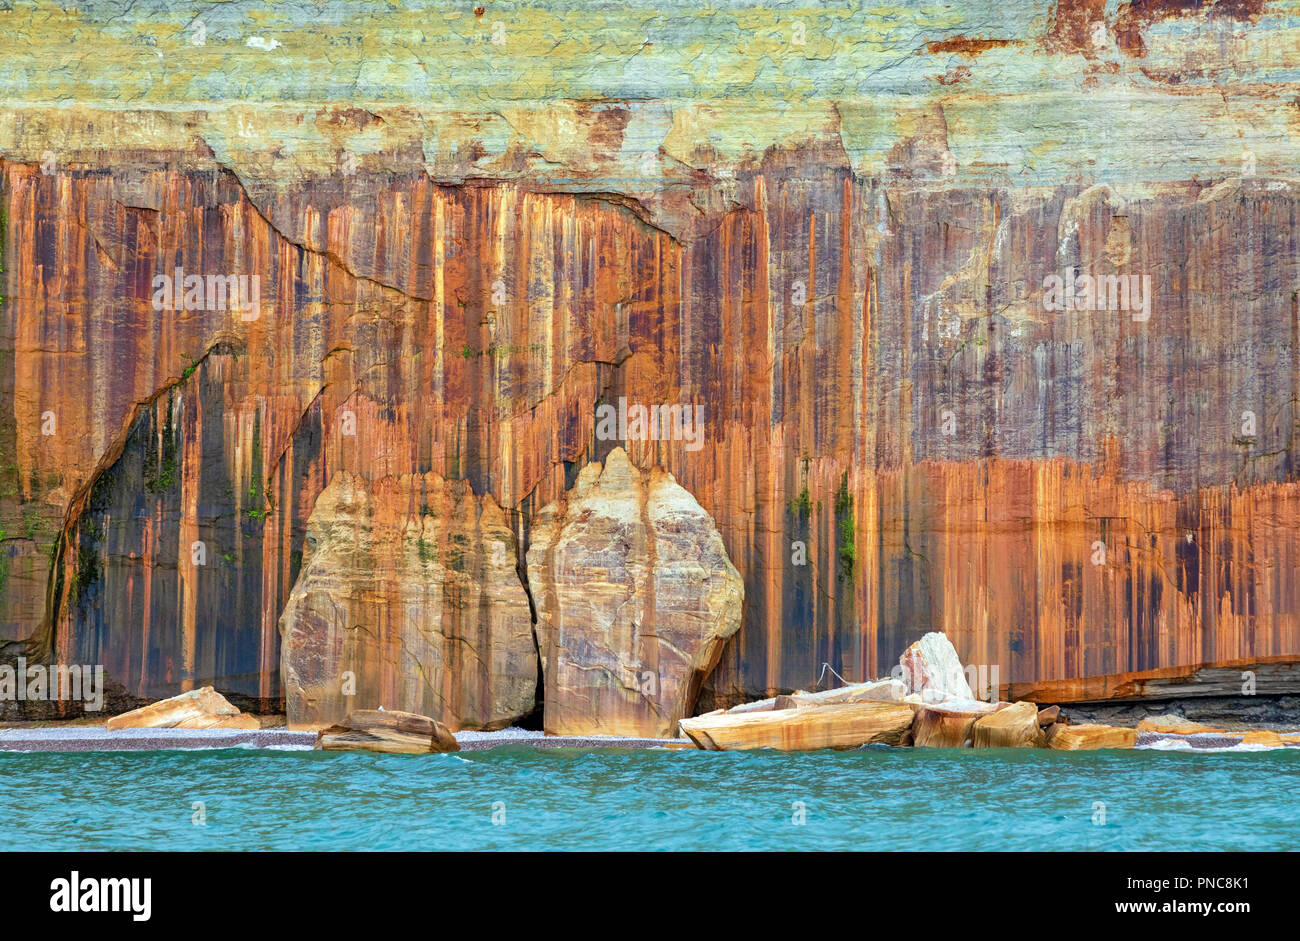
876,798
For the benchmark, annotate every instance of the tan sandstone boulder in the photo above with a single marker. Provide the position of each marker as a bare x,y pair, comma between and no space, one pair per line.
408,598
197,709
385,731
1013,727
1085,737
846,725
635,597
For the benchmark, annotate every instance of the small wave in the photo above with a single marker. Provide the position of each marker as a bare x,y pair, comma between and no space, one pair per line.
1182,745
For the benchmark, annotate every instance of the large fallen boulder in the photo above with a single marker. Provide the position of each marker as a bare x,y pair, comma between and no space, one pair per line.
408,598
197,709
1085,737
384,731
1016,726
847,725
931,669
635,597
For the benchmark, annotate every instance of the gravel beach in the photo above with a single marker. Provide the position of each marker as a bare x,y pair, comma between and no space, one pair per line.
94,738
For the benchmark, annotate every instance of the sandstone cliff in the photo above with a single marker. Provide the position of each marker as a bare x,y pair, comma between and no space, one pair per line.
837,247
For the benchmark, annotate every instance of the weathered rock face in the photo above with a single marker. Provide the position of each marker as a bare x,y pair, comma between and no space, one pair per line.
900,437
635,596
410,587
901,528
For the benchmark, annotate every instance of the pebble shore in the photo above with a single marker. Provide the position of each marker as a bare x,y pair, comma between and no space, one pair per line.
93,738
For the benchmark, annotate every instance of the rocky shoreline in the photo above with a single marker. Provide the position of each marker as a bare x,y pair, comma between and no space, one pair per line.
88,738
928,702
925,703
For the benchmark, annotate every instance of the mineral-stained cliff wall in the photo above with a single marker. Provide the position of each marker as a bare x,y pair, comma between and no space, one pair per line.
899,435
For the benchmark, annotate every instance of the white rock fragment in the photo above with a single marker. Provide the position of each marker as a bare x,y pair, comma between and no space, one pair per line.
889,690
931,670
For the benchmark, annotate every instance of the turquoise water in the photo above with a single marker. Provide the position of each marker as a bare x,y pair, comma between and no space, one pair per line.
615,799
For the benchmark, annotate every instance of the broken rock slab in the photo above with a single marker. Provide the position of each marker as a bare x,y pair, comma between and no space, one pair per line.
387,731
846,725
203,708
932,670
1016,726
635,597
758,705
877,690
948,725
